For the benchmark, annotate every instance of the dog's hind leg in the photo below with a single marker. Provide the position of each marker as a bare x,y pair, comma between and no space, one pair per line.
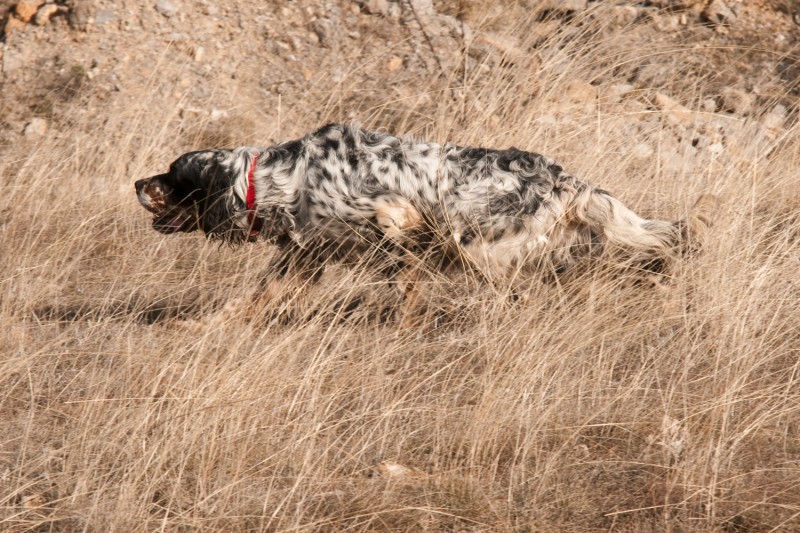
397,218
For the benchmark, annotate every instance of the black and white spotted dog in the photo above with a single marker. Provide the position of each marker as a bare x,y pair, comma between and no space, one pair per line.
341,189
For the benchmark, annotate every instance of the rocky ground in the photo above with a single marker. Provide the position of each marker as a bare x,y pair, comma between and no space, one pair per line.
209,57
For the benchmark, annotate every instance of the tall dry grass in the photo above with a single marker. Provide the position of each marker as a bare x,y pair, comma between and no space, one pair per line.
592,405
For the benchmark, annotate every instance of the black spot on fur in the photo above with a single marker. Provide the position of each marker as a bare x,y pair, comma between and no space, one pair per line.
332,145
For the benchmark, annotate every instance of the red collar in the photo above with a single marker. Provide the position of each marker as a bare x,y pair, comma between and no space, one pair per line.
256,222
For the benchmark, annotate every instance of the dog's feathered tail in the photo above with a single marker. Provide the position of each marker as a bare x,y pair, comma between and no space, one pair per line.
609,217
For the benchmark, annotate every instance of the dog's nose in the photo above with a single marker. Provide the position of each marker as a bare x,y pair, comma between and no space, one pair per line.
139,185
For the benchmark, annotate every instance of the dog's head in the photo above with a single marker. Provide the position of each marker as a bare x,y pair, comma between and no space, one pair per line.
197,194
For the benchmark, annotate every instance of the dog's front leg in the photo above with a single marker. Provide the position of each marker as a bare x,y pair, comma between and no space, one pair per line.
402,224
292,272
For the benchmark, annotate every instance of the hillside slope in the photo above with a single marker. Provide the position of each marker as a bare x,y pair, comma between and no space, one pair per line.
588,404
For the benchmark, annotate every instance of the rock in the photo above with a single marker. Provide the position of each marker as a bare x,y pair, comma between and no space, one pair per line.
325,29
581,91
617,92
709,105
736,101
653,75
13,24
394,63
37,127
675,113
773,122
642,151
489,43
564,7
377,7
622,16
218,114
12,59
44,14
717,12
26,9
541,31
105,16
423,8
666,23
166,8
393,470
81,15
677,4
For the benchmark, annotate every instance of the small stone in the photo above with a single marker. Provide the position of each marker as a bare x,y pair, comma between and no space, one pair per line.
653,75
773,122
736,101
26,9
217,114
709,105
199,54
642,151
44,14
166,8
37,127
675,112
541,31
326,31
676,4
377,7
190,112
581,91
423,8
12,59
394,63
33,501
718,12
624,15
81,15
105,16
13,24
565,6
393,470
666,23
618,91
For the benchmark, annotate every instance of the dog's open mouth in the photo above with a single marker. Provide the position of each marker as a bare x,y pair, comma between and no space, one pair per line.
172,222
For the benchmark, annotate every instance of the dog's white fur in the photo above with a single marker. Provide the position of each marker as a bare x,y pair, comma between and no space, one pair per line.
342,187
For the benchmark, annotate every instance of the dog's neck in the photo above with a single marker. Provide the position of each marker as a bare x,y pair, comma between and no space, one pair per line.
256,222
267,189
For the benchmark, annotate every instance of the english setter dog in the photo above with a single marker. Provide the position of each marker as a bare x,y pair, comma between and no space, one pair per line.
342,190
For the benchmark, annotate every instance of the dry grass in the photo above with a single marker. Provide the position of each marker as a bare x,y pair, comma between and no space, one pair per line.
594,405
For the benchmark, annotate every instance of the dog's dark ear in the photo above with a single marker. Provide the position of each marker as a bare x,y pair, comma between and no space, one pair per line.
218,208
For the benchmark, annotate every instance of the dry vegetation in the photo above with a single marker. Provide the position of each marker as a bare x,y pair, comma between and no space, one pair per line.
591,405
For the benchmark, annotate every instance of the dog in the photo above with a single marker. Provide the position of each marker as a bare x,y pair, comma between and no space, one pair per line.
342,190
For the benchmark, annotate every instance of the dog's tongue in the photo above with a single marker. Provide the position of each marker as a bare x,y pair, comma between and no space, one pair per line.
169,224
175,222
